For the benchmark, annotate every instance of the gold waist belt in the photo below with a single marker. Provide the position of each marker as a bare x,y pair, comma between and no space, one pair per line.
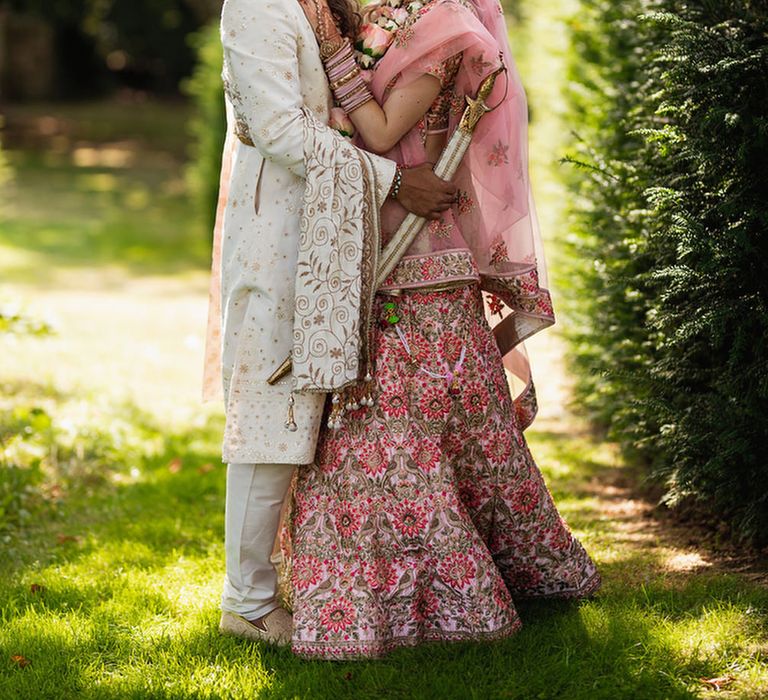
436,287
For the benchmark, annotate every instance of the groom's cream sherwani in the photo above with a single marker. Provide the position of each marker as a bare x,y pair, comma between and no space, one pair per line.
275,84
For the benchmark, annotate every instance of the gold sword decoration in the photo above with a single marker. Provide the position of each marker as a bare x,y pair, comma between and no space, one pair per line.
446,168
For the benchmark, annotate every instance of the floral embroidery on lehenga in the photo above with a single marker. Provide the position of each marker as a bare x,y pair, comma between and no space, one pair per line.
436,267
424,516
521,292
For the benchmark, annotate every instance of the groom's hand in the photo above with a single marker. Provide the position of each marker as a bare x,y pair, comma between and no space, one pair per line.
425,194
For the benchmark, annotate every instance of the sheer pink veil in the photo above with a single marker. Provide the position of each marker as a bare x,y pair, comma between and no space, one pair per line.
499,224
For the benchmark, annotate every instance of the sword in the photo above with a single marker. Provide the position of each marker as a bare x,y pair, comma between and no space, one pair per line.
446,168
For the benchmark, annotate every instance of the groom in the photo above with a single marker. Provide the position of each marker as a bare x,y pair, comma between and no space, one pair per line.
276,93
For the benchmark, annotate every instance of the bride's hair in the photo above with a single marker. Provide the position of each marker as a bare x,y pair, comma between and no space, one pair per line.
347,16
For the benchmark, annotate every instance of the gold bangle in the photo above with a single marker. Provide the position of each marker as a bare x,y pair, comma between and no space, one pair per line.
357,91
328,47
341,82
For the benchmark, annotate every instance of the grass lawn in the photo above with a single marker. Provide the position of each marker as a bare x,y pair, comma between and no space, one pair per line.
112,491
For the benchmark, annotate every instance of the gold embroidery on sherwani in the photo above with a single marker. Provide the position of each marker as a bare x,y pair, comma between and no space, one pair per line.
338,258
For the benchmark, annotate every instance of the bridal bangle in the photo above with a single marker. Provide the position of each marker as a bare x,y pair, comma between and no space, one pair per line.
346,80
397,182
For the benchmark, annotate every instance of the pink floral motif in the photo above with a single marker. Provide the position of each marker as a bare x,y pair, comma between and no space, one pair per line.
525,497
498,155
425,604
305,572
500,253
409,518
559,537
372,458
381,575
394,403
431,268
347,519
457,570
464,203
440,229
479,65
337,615
499,450
435,402
495,305
427,455
501,594
450,347
457,104
475,398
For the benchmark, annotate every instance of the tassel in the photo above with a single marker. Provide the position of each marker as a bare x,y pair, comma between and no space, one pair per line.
337,411
351,399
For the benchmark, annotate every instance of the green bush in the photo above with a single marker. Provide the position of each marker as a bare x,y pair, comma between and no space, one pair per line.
208,125
49,449
670,316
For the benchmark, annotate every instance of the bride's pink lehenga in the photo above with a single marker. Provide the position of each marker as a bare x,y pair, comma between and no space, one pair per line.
424,516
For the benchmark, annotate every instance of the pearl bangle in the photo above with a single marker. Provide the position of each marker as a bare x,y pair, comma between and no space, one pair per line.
397,182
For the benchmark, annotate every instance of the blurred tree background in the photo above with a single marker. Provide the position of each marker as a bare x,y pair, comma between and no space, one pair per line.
83,48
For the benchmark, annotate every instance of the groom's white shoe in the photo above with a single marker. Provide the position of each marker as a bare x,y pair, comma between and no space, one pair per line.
274,628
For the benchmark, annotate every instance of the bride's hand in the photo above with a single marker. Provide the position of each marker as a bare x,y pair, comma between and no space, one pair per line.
321,18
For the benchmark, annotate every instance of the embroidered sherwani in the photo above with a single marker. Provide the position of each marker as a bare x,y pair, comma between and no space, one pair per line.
277,94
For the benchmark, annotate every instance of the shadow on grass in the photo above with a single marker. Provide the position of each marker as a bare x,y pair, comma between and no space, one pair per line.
588,650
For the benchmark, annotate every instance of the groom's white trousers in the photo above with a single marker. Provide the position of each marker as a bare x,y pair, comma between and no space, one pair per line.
255,494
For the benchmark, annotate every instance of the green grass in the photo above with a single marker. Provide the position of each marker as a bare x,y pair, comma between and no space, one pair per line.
130,572
111,541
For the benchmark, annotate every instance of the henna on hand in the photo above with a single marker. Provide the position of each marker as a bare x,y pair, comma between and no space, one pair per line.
324,25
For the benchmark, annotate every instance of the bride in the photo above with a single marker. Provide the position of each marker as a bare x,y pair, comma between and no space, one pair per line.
424,516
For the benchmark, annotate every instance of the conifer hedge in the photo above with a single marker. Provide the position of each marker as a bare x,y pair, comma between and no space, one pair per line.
669,264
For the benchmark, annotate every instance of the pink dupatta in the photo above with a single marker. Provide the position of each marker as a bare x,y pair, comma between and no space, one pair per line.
495,217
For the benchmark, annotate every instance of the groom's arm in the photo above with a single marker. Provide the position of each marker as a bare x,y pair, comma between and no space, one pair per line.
261,48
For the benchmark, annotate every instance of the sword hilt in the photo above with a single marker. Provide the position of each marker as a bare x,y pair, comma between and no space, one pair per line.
476,107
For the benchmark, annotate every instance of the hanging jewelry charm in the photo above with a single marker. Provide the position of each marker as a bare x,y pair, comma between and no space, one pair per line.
368,387
337,411
290,422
